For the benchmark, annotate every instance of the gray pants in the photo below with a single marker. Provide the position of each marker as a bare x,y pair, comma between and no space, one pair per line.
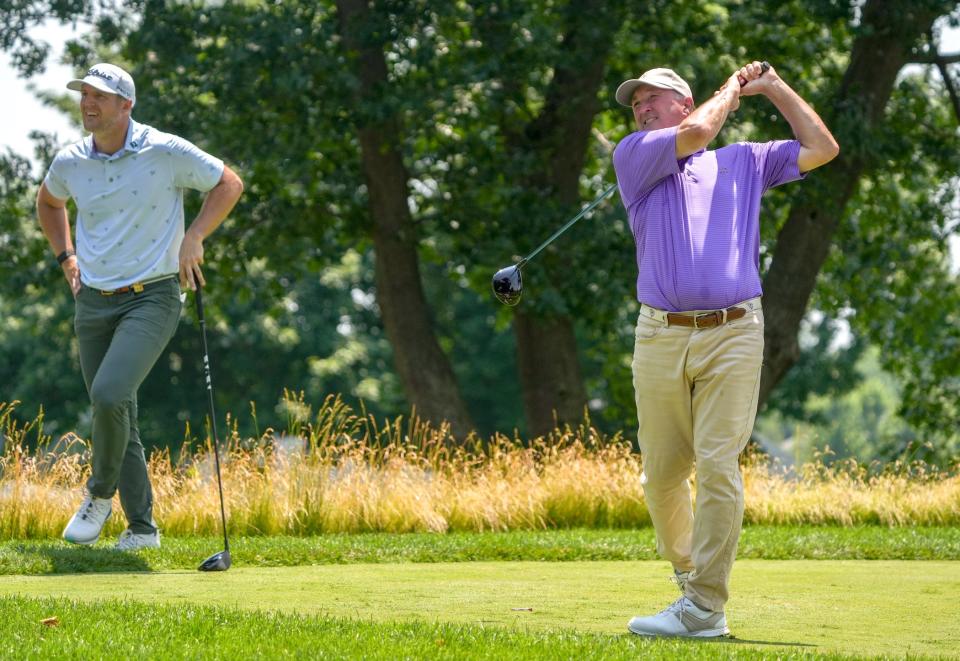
121,337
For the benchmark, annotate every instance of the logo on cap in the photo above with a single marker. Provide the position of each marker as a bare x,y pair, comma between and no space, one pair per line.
99,74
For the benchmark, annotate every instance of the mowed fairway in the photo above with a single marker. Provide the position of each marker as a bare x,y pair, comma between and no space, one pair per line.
852,607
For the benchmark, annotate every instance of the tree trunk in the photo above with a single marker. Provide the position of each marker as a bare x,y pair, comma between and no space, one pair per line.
546,347
427,377
886,35
549,371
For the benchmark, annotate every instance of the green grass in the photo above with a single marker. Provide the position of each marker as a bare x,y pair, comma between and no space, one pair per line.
124,629
770,542
778,606
798,592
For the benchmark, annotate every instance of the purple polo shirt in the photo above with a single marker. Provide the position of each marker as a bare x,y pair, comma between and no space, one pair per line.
696,221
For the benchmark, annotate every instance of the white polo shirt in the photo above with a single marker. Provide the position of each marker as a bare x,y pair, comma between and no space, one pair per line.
130,220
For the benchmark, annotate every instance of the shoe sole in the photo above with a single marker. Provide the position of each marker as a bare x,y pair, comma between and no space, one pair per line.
88,542
707,633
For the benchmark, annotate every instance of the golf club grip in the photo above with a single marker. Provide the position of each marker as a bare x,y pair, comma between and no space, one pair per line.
206,353
764,68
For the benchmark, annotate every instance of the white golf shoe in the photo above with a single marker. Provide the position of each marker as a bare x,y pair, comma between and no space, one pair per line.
132,541
85,526
682,618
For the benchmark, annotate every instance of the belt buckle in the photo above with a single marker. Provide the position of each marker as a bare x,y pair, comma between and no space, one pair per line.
719,317
136,288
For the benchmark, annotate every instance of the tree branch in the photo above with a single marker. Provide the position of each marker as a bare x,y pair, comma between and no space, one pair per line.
951,89
937,58
941,60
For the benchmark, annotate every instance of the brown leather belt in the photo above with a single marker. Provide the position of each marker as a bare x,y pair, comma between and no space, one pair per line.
705,319
136,287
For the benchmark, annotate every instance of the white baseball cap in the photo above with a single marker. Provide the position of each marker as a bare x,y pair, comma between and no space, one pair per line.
107,78
666,79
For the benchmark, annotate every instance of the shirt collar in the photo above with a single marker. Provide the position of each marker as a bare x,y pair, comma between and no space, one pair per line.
133,143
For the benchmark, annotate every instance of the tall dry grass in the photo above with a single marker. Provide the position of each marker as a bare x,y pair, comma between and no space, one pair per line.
342,472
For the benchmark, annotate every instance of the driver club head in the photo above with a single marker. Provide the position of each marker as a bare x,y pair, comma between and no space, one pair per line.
216,562
508,285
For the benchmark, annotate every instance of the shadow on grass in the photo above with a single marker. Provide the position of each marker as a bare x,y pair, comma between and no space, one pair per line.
721,640
746,641
58,558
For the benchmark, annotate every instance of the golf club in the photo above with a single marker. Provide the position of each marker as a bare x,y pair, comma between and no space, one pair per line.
218,561
508,283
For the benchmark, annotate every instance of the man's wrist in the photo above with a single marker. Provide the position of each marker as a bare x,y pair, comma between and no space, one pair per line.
727,93
193,235
64,256
776,89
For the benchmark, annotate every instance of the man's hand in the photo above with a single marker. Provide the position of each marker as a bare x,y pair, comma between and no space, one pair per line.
71,271
191,257
754,80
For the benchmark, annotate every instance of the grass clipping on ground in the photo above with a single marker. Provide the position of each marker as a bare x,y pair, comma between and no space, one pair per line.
340,472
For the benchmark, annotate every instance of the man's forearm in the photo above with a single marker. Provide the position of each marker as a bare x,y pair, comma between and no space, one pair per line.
807,126
217,206
702,125
55,226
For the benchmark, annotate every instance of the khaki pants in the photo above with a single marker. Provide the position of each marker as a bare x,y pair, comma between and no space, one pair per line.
696,393
121,337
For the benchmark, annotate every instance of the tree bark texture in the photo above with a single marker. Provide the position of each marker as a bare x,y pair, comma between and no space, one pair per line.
882,47
425,372
549,369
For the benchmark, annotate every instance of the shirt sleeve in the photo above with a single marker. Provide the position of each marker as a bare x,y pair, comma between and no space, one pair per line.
777,161
644,158
193,167
55,183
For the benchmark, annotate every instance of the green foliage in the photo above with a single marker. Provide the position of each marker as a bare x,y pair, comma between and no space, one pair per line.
266,86
892,259
855,416
37,345
825,369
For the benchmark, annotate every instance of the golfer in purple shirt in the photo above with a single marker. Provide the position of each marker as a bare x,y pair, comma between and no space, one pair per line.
694,214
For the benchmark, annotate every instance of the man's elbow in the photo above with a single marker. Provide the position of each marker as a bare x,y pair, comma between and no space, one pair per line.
45,201
238,187
831,149
692,136
233,183
812,158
